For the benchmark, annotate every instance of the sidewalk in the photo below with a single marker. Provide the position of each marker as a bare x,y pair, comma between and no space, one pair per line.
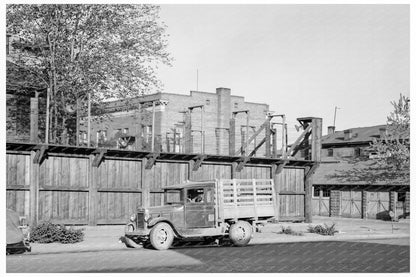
106,238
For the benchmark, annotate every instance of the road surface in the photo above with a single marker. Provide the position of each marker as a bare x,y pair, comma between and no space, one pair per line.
337,256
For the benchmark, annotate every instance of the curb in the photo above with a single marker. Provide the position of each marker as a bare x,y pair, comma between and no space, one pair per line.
294,239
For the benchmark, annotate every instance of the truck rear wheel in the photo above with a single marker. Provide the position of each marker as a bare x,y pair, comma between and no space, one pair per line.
161,236
240,233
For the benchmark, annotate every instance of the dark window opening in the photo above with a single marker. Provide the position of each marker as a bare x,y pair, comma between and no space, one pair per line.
357,152
326,192
315,192
330,152
195,195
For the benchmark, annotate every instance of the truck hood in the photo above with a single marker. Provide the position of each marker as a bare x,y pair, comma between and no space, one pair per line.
157,210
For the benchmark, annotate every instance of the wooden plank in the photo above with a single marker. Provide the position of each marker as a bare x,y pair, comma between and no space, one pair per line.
92,193
292,192
62,188
34,187
129,190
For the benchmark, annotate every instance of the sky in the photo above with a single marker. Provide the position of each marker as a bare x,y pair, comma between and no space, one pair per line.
302,60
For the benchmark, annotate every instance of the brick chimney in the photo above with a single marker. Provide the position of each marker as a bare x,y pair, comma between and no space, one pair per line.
223,119
331,130
347,134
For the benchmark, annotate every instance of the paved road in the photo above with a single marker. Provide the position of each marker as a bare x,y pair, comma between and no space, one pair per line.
335,256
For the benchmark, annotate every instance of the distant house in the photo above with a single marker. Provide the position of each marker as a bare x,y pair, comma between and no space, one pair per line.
337,193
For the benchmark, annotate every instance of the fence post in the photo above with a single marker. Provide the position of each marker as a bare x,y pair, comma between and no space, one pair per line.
276,189
145,187
33,190
92,192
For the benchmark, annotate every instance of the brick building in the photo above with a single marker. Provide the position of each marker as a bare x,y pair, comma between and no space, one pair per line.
129,123
335,193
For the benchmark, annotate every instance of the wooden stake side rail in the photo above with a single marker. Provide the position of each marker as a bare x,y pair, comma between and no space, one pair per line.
66,187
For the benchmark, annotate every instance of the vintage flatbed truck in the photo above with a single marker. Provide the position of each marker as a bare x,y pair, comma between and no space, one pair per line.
216,210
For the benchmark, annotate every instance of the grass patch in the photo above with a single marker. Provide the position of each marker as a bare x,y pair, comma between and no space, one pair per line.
289,231
47,232
324,230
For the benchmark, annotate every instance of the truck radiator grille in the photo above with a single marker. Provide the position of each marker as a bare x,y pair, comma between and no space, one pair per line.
140,220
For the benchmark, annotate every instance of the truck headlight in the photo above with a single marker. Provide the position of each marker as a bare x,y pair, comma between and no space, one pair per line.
146,215
133,217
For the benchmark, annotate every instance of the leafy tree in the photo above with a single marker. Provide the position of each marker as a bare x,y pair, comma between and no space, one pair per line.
391,164
109,51
393,150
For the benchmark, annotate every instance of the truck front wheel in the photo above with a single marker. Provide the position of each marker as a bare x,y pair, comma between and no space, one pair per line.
240,233
161,236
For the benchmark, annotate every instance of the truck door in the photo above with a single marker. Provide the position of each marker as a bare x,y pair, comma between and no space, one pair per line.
199,207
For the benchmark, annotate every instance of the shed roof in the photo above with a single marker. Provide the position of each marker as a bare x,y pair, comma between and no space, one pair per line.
359,135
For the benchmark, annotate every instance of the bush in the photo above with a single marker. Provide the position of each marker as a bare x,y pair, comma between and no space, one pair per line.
47,232
289,231
323,230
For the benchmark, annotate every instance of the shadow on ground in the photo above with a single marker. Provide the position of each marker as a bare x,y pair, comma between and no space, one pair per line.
300,257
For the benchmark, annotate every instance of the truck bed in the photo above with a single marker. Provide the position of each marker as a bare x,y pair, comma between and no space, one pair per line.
246,198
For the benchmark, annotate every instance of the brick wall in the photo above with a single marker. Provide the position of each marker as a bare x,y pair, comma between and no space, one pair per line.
218,108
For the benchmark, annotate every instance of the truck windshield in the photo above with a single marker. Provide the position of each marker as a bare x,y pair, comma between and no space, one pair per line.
173,196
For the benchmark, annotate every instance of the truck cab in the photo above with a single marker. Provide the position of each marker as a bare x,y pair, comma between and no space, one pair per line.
207,210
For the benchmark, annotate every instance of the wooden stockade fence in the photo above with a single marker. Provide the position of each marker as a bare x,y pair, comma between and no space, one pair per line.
79,185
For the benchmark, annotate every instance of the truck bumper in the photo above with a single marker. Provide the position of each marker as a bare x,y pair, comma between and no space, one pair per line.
137,233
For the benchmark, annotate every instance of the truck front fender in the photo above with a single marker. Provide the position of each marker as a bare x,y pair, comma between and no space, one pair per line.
153,221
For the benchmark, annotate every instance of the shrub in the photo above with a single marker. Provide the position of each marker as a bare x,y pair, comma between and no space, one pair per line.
289,231
47,232
323,230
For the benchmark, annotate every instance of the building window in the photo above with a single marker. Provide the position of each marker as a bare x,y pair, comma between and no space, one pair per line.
326,192
207,102
330,152
357,152
235,105
315,192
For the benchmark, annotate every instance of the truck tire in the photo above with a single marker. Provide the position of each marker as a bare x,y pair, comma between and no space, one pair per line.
240,233
161,236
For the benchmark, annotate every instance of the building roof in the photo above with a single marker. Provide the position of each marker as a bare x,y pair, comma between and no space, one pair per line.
353,173
359,135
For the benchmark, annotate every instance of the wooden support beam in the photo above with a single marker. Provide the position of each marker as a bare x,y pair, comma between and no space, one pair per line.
198,162
267,141
301,138
151,160
246,143
316,139
188,132
308,195
278,167
274,142
257,147
242,163
41,154
144,185
34,190
311,170
92,190
231,140
99,157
